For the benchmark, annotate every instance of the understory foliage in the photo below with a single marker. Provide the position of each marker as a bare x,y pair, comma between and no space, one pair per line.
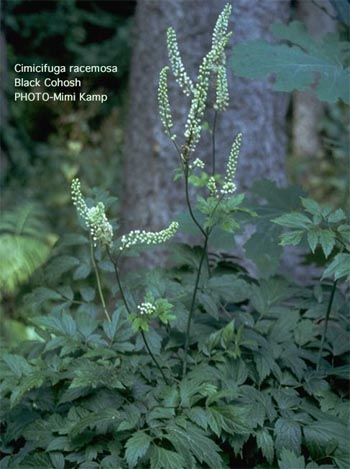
200,365
43,146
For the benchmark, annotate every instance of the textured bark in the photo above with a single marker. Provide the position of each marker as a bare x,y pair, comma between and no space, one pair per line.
150,198
308,111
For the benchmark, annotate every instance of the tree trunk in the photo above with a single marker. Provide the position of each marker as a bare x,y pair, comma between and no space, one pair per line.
150,198
308,111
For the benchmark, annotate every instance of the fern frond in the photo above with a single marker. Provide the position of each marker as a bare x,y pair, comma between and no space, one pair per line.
24,220
24,245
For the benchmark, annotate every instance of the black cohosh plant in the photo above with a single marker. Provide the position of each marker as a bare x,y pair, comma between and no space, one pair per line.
219,205
101,232
238,372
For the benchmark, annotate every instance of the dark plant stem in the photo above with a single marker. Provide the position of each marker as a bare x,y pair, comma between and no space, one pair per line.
153,357
206,234
178,151
189,205
329,308
127,307
117,276
213,144
99,287
194,295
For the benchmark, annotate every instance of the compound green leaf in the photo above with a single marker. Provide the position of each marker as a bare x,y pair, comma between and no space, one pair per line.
293,220
311,206
110,327
81,272
136,447
287,435
339,267
198,416
101,421
327,241
57,460
312,237
296,66
265,443
27,383
289,460
36,460
87,293
319,434
203,448
59,443
291,238
337,216
17,364
165,459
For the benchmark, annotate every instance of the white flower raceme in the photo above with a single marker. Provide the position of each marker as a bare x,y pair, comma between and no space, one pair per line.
221,24
220,31
100,228
163,101
222,94
78,199
177,66
213,62
212,186
193,125
197,163
229,187
94,217
146,308
148,237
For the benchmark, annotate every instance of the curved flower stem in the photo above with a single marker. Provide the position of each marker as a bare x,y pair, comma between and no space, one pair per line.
99,287
127,307
329,308
194,295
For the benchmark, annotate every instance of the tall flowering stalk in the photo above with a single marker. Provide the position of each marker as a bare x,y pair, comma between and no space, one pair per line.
101,232
213,66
